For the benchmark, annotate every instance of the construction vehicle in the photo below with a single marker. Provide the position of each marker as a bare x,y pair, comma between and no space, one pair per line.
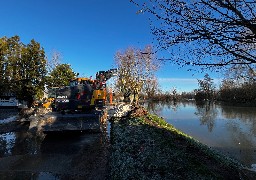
81,106
83,94
48,102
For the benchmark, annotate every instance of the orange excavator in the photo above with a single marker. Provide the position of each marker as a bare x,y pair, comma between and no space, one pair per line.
83,94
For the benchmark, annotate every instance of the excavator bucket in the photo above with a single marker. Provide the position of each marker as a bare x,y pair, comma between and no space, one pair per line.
55,122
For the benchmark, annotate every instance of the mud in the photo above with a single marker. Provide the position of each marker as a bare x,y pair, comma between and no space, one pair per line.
72,157
27,155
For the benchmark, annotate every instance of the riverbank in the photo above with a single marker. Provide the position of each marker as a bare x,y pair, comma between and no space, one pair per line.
144,146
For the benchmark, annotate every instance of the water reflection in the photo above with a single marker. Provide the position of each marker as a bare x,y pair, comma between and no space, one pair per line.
45,175
229,129
16,143
29,175
56,156
7,113
245,114
7,142
157,108
207,114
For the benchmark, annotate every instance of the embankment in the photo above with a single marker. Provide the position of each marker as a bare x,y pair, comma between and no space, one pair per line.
144,146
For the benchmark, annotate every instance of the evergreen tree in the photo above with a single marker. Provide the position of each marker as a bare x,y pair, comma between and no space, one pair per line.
23,68
61,75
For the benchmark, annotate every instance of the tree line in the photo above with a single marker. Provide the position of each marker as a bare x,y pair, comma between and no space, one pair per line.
24,70
230,91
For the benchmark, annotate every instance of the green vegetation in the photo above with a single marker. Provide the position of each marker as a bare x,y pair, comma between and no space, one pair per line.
61,75
232,90
144,146
243,93
206,89
23,70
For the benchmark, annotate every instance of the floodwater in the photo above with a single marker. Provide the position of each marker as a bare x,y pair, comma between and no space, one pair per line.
7,114
228,129
28,155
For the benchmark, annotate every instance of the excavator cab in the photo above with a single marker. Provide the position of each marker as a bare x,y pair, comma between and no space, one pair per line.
83,93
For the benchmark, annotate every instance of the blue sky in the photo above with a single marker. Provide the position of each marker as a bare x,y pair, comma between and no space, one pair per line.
87,33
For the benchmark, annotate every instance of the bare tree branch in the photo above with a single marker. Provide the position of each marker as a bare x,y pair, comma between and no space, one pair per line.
223,31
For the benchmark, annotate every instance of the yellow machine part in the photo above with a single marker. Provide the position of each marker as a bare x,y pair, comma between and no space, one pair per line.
99,94
84,79
48,102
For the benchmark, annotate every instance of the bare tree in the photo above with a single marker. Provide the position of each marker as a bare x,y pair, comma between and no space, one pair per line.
240,74
213,33
136,69
151,87
54,61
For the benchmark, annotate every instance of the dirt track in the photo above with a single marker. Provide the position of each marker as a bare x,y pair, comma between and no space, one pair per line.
29,155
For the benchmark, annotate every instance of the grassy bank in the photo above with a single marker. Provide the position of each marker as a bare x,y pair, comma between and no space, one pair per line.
144,146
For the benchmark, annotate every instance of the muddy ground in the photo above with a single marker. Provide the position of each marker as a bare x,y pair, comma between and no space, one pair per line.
26,155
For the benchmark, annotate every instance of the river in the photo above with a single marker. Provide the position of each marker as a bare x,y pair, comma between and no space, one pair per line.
228,129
